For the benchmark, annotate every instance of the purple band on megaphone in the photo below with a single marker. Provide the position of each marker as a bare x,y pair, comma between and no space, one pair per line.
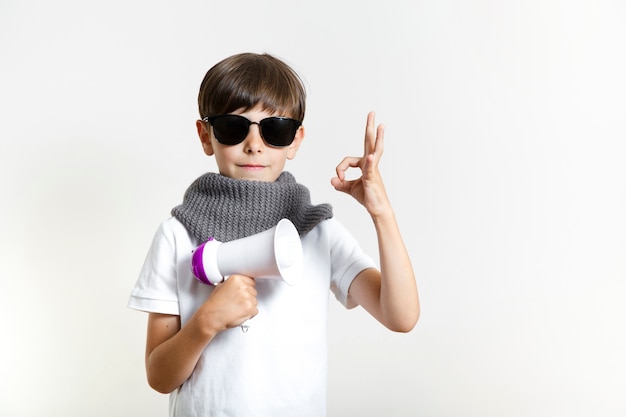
197,266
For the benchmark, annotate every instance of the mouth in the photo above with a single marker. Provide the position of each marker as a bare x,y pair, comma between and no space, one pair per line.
252,167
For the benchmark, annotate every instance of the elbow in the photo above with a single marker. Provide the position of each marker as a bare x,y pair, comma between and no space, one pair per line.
160,386
404,327
162,389
406,323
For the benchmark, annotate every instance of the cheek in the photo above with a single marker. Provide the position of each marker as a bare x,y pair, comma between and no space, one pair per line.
281,156
224,156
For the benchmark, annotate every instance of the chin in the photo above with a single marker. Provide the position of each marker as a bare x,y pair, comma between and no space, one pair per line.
251,177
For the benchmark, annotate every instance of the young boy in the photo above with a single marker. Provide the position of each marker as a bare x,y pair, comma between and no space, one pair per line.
251,111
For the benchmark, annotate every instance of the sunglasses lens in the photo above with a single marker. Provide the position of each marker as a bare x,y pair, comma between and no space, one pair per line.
279,131
230,129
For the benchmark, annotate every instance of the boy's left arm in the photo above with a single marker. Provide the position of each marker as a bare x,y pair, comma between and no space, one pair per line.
390,295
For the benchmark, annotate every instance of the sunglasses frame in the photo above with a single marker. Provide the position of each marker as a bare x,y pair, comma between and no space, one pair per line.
223,141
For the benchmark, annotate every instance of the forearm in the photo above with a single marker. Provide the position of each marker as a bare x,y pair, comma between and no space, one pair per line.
172,352
170,363
390,294
399,301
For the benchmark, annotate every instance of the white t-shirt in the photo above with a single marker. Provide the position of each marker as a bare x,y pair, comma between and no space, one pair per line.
278,367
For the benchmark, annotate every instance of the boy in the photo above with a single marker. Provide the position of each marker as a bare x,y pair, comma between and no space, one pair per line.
251,111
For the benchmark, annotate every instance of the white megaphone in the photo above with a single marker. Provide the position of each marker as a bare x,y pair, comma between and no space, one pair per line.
275,253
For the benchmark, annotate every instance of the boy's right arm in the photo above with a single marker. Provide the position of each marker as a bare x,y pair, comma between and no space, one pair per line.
172,352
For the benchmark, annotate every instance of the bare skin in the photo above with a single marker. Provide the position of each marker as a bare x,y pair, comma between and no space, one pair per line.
390,295
172,352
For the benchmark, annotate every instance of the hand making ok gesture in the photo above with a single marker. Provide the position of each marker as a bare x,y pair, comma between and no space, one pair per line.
368,189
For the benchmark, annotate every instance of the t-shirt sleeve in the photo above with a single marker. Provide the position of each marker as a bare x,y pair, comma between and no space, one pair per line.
156,290
347,260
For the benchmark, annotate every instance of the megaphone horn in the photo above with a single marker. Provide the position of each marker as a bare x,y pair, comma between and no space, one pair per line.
275,254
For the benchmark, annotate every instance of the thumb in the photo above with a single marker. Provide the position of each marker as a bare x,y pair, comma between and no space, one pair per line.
343,186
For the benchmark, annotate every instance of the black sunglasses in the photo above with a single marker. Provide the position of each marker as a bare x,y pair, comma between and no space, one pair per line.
232,129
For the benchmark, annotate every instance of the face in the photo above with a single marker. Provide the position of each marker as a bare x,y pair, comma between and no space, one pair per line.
252,159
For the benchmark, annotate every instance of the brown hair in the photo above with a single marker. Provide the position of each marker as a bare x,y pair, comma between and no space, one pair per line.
246,80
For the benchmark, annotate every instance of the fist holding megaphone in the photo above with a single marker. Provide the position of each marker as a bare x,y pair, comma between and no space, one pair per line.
275,254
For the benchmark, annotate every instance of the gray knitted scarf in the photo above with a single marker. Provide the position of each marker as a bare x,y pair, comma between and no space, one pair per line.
227,209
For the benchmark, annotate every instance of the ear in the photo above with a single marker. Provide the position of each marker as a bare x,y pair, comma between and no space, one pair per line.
295,145
205,137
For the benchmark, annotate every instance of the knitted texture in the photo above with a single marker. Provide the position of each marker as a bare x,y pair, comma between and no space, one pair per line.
227,209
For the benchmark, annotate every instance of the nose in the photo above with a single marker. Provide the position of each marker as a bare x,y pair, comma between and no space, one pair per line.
254,142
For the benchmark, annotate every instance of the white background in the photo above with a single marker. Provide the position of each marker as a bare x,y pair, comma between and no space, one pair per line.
504,160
